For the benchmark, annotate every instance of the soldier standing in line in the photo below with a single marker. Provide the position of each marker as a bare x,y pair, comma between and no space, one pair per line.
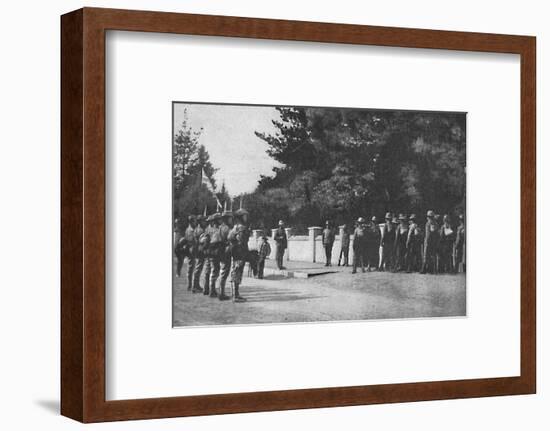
204,247
401,243
282,242
446,242
239,249
359,245
225,258
460,246
344,246
189,236
328,241
431,244
199,233
387,242
372,244
215,253
414,246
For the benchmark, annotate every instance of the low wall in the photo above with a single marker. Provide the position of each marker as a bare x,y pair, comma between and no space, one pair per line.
303,248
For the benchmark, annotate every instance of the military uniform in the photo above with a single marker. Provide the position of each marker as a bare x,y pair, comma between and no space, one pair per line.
263,253
401,235
328,242
431,244
238,237
199,234
414,247
460,248
215,251
225,258
446,242
387,244
373,244
344,247
359,245
189,236
281,241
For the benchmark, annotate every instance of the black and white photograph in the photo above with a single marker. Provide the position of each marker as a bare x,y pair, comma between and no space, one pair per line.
290,214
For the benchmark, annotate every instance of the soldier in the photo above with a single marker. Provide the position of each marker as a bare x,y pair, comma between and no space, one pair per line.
446,242
215,253
387,243
238,238
372,244
225,258
401,243
201,239
263,254
460,246
189,237
344,246
328,241
431,244
414,246
281,241
359,245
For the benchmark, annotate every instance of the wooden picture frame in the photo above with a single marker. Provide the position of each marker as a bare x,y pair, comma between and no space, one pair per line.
83,214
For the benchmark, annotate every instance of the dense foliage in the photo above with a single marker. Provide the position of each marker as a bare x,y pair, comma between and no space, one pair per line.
339,164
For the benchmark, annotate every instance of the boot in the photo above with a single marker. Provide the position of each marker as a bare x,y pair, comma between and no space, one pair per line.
238,297
197,287
223,296
213,293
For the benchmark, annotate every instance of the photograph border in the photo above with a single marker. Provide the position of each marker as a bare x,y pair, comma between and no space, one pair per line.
83,214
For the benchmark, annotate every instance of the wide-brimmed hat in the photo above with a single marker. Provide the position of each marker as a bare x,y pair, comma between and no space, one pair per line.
192,218
388,216
412,217
402,217
241,212
360,220
281,223
430,213
374,219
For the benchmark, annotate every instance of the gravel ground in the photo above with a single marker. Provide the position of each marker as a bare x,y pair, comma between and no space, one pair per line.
330,297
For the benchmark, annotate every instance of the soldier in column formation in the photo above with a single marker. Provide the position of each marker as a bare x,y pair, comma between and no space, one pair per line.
215,251
238,237
189,236
225,257
200,239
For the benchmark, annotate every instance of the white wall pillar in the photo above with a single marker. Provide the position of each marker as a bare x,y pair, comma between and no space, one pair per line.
287,251
313,232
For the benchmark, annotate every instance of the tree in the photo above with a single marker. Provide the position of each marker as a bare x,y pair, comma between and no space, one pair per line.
342,163
190,162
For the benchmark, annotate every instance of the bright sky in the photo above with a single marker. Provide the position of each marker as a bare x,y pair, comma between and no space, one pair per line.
228,136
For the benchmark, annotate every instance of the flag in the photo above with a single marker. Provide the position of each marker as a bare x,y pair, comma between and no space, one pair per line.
205,181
